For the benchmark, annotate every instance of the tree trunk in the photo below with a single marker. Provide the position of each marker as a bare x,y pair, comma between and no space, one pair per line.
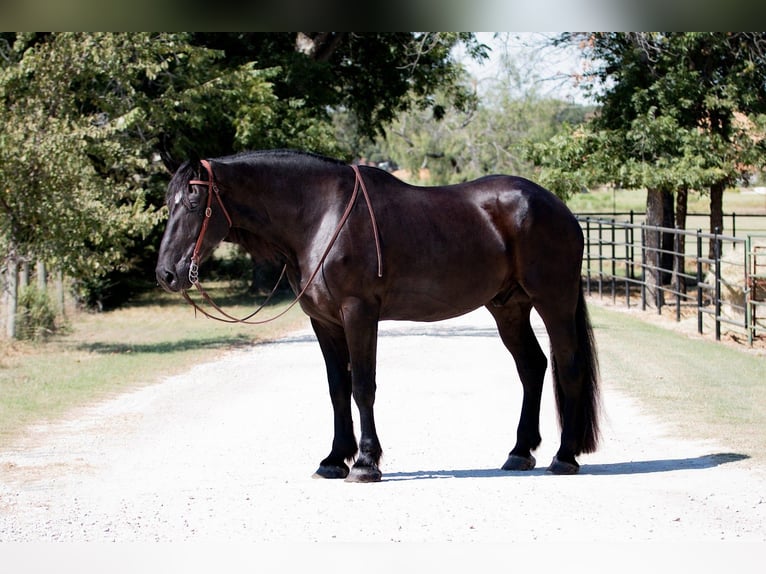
668,239
659,213
716,213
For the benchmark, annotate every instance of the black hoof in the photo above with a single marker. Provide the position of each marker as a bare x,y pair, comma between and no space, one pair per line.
516,462
331,471
562,467
364,474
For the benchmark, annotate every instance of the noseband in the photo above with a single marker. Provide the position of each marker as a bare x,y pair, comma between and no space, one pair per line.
194,266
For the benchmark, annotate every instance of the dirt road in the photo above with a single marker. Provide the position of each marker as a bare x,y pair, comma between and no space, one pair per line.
226,451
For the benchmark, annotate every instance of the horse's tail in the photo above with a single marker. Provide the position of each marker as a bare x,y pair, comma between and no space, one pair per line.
589,404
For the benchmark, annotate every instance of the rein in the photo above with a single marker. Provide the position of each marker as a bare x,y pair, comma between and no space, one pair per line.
194,267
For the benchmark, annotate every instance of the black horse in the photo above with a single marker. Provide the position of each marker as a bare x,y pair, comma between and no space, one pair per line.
400,252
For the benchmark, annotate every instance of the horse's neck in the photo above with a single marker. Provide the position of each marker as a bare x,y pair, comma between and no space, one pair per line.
281,212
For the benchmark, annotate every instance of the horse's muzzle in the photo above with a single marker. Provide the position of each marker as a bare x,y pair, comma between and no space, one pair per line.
170,280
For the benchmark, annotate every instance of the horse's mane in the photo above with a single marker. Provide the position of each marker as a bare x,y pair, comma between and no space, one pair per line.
191,169
280,155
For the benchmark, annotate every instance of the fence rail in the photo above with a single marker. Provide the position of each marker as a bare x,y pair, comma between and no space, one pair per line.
711,274
740,224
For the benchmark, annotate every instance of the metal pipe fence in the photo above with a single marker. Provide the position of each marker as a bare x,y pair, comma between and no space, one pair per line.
722,277
740,224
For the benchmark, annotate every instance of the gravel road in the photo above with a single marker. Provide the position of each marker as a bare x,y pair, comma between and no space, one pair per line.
226,450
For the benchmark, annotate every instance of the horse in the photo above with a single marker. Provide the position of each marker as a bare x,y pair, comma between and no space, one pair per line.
401,252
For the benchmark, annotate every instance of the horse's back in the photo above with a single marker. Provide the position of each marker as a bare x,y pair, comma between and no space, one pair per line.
451,249
494,211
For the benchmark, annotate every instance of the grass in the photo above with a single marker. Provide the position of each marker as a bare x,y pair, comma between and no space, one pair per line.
623,200
103,354
701,389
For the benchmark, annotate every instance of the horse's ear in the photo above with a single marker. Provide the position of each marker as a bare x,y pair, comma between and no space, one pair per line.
171,164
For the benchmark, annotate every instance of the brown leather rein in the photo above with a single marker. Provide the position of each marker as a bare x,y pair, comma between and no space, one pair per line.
194,266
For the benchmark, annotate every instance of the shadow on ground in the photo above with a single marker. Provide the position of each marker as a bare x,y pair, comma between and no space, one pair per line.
610,469
224,342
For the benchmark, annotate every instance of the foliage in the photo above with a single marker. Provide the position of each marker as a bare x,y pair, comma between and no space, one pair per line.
677,110
315,76
87,117
36,314
66,191
492,136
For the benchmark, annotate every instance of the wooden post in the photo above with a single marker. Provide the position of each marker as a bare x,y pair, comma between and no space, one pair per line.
12,286
42,283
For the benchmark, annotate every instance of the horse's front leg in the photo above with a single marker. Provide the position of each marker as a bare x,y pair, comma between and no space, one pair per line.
360,322
332,341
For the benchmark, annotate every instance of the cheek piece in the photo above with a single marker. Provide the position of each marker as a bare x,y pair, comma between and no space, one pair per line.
212,188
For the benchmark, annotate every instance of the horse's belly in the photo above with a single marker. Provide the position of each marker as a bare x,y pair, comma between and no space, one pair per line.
434,303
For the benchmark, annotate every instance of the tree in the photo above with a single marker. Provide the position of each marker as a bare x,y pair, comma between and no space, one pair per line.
87,117
315,76
81,184
675,100
490,136
668,120
56,205
331,92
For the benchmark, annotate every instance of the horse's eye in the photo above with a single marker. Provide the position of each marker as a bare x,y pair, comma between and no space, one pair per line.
193,197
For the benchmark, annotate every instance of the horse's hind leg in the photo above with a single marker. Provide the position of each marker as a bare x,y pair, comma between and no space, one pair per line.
516,332
575,375
332,341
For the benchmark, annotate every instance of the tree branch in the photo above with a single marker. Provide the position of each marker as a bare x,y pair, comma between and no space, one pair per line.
319,46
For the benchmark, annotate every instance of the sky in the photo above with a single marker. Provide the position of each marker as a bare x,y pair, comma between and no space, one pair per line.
548,69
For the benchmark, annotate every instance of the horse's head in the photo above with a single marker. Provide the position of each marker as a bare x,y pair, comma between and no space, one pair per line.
197,223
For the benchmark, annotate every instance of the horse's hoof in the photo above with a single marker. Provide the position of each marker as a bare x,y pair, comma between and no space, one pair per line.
364,474
562,467
331,471
516,462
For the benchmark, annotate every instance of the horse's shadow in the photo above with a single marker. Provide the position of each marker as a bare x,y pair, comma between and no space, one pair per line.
609,469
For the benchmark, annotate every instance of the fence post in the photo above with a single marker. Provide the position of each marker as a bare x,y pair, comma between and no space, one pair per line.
12,288
749,285
632,252
614,266
677,258
643,267
699,281
587,254
717,254
628,267
600,258
658,273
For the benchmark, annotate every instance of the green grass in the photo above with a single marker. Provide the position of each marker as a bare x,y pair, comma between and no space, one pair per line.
701,389
111,352
623,200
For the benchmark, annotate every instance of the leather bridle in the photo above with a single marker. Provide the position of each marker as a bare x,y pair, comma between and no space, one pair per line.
212,189
194,265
